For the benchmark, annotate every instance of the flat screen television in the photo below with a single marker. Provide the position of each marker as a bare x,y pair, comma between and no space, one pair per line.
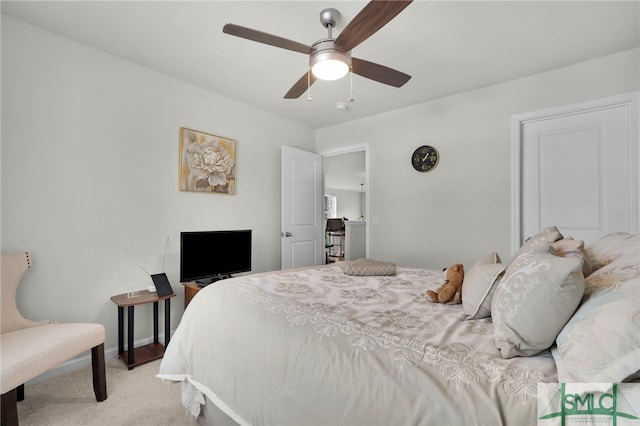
208,256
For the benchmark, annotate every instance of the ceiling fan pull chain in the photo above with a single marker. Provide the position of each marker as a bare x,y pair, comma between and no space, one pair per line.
351,99
309,85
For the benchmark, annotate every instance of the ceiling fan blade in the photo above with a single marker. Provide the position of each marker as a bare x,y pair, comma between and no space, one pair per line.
379,73
260,37
301,86
375,15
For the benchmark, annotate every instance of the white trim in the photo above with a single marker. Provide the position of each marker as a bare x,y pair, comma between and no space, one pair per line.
367,208
519,120
516,182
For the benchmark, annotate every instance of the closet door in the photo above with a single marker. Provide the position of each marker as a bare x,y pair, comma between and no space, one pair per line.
578,169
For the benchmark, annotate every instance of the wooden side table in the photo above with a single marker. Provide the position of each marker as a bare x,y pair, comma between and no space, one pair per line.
190,291
133,357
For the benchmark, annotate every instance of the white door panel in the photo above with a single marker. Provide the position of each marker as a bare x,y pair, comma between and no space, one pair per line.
302,242
578,169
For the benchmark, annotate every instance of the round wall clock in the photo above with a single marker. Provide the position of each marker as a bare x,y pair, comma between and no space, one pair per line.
425,158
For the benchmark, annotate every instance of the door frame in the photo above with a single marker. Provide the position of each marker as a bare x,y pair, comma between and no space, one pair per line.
630,99
367,188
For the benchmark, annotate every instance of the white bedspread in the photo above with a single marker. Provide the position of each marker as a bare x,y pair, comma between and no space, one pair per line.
316,346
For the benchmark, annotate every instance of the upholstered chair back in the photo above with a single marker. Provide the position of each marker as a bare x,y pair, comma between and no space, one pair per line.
14,265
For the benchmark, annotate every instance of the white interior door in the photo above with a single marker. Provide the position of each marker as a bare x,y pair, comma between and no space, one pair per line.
579,169
302,207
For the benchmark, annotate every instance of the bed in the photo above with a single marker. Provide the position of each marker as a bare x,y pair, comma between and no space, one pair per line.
358,343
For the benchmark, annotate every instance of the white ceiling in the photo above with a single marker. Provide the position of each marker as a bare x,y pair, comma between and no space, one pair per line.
447,46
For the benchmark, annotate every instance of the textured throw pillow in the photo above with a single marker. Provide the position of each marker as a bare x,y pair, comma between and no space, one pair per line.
479,284
364,267
570,247
601,342
536,297
610,247
540,241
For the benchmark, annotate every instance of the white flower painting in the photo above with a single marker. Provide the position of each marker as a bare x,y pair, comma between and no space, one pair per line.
207,162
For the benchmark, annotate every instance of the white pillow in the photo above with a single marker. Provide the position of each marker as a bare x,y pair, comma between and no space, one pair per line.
479,284
490,258
610,277
601,342
536,297
570,247
540,241
610,247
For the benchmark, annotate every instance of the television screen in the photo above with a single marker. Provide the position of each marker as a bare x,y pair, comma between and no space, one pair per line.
207,256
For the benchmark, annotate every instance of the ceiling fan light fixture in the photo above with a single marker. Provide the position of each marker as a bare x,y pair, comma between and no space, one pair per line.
330,64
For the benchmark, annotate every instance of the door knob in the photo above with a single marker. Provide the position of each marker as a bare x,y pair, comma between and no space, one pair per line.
287,234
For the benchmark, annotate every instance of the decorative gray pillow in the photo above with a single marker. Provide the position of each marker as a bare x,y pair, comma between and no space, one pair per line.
536,297
479,284
364,267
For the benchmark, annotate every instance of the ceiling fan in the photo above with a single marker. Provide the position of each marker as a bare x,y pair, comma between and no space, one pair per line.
330,58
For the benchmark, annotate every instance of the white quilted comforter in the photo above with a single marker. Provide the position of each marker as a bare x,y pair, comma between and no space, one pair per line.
316,346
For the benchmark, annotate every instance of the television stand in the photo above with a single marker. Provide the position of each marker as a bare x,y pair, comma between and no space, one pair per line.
207,281
191,288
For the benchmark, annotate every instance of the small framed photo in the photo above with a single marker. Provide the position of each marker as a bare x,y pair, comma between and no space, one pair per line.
207,162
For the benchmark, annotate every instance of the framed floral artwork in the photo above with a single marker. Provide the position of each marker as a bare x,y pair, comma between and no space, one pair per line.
207,162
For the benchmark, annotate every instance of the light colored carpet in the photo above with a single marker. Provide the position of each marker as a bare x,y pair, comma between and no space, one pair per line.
134,397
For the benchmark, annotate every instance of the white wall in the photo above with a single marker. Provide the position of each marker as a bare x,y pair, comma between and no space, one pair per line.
90,173
349,203
90,159
462,209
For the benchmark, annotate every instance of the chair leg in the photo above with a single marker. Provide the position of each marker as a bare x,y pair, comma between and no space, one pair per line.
9,408
99,374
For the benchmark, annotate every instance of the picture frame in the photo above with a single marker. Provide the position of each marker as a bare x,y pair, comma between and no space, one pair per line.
207,162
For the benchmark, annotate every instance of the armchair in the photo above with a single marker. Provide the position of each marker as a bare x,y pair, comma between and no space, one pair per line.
28,348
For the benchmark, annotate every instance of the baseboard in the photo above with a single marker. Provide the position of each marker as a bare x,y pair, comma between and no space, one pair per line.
84,360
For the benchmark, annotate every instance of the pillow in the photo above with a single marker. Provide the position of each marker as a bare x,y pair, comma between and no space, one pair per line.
369,267
490,259
540,241
479,284
611,246
536,297
610,277
601,342
570,247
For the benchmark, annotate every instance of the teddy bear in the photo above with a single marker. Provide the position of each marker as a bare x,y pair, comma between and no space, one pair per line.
451,291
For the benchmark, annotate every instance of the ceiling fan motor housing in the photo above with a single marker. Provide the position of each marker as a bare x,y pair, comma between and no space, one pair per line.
329,17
